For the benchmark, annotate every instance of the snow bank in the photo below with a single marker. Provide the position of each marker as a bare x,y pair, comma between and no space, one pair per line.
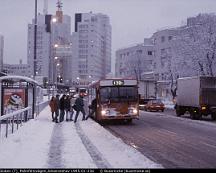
29,146
168,103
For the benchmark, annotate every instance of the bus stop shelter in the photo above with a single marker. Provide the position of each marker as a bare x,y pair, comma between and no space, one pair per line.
17,92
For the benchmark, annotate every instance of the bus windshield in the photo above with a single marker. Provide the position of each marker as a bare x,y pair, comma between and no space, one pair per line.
117,94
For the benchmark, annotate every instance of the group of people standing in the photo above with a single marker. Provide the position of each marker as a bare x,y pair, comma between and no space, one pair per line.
66,105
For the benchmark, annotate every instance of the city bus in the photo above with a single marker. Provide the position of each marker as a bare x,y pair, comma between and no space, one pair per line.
116,99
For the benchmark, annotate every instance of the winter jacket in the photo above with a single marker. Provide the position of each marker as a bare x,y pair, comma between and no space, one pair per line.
62,104
67,104
58,102
53,105
79,103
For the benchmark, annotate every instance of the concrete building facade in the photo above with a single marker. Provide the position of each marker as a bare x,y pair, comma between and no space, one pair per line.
177,52
92,38
42,48
53,47
135,60
17,69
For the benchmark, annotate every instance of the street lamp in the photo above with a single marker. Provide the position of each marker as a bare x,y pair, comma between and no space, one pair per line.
35,58
78,80
89,81
54,19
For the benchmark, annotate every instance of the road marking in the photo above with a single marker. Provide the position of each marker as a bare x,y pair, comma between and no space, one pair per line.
210,145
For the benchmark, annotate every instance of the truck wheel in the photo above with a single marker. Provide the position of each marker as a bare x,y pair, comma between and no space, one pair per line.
213,116
195,115
198,116
192,115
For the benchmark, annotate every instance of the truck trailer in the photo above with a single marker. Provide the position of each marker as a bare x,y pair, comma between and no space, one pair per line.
196,95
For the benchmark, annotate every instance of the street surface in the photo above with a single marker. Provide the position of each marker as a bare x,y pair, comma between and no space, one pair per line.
173,142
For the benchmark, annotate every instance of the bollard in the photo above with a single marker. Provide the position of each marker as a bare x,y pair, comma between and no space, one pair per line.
17,119
6,135
13,124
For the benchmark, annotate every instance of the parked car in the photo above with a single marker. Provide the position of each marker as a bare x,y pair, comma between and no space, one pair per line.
143,102
155,105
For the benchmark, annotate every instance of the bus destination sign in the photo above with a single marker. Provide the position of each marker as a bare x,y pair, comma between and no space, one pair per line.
118,82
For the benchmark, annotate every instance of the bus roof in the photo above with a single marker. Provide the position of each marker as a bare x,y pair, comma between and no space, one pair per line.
115,82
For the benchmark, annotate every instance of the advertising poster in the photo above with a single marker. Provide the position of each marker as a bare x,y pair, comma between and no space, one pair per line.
13,99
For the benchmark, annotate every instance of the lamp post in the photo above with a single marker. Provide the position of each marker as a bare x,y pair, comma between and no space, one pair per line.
52,50
55,70
34,61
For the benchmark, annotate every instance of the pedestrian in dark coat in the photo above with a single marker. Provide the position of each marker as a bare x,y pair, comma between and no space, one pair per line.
53,107
67,106
71,108
79,107
62,108
93,108
57,109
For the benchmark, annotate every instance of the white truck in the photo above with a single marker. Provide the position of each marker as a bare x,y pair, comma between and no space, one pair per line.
147,89
196,95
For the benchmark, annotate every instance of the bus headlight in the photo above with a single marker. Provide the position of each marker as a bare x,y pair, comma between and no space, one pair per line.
133,111
105,112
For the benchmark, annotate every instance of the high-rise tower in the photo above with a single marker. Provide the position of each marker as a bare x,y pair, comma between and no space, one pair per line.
93,42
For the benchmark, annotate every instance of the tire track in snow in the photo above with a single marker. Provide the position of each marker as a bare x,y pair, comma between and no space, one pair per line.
97,157
55,151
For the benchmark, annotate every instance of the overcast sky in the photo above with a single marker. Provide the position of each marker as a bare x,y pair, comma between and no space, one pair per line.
131,20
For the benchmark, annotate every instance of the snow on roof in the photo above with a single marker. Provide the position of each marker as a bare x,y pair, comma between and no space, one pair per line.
19,78
149,72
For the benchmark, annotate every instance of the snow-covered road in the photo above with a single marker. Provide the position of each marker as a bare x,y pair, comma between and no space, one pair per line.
41,143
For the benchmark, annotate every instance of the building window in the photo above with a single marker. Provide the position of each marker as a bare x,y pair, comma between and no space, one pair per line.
170,38
162,39
149,52
163,52
139,51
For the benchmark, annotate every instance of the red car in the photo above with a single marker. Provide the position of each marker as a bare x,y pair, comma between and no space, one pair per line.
155,105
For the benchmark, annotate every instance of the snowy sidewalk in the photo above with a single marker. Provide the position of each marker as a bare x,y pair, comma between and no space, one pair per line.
40,143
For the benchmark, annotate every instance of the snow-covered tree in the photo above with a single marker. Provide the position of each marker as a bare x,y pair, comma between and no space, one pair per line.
195,48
